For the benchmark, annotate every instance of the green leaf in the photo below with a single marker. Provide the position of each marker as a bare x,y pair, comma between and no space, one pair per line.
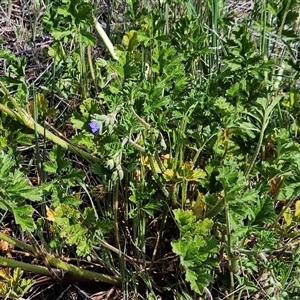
14,184
105,225
87,38
152,206
231,179
50,167
60,34
73,177
234,66
264,211
23,217
256,114
186,219
63,11
233,90
76,234
83,248
85,139
6,165
89,216
180,247
130,40
78,122
196,247
57,155
249,126
71,200
271,106
21,188
203,227
191,276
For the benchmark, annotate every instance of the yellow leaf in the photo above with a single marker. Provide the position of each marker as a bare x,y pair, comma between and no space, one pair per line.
3,288
31,108
275,185
188,173
293,97
199,174
288,217
169,175
186,170
145,162
5,274
50,215
77,195
130,40
292,100
199,206
297,209
224,135
41,105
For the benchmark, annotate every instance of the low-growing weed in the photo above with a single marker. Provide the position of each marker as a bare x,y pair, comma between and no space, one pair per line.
176,174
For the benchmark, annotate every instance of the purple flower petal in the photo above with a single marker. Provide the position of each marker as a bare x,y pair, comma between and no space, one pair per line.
94,126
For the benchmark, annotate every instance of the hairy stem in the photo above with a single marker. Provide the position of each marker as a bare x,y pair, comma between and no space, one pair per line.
54,262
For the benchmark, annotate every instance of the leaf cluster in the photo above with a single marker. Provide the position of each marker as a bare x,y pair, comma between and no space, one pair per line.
15,193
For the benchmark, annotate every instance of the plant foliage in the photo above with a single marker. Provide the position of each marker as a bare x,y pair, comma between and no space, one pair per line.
177,147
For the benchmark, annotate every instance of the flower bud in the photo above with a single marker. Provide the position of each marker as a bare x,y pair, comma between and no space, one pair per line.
109,164
121,174
114,175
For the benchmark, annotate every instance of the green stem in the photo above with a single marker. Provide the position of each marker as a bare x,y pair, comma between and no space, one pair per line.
81,273
140,120
283,23
174,194
55,262
165,212
116,210
105,39
230,258
159,163
251,164
92,70
16,242
25,119
11,263
184,188
216,209
11,98
157,179
201,148
287,206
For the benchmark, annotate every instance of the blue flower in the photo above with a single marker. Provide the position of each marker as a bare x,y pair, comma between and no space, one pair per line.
94,126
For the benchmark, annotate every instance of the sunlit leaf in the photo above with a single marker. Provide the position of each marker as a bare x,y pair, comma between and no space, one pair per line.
288,217
5,274
145,162
169,175
199,206
23,217
130,40
50,215
152,206
297,208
